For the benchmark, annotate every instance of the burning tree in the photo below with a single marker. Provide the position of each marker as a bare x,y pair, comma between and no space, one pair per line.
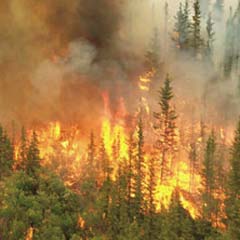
165,129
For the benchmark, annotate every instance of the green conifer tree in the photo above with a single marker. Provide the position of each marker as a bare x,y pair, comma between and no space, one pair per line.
208,177
233,191
6,154
165,128
33,156
210,38
139,174
22,159
151,190
180,224
196,39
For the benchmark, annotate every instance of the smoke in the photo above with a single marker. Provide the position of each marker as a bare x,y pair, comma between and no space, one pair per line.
57,57
47,47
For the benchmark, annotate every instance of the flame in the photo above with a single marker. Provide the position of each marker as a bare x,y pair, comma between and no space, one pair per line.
145,80
29,235
114,132
67,142
81,222
180,179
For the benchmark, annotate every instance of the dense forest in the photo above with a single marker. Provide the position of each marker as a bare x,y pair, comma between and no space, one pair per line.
152,173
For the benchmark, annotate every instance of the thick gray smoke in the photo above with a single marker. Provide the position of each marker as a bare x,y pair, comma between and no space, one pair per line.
52,55
58,57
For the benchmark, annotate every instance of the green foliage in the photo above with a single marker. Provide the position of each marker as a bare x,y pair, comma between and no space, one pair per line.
165,127
228,61
139,174
208,178
33,158
179,223
6,154
196,39
233,192
182,26
51,210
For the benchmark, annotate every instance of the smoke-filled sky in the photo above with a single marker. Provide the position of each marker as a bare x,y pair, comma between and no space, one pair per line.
58,56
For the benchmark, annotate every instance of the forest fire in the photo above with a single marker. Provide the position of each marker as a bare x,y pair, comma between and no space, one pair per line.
119,120
57,142
120,141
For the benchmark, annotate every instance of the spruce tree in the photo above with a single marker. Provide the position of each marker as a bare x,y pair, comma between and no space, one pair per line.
6,154
210,38
236,36
180,225
130,174
105,191
33,157
182,26
179,26
89,187
208,178
196,39
22,159
166,20
52,212
186,25
151,190
228,61
152,57
165,129
193,165
233,191
121,203
91,158
139,174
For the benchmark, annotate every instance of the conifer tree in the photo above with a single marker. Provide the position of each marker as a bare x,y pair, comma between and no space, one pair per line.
233,191
22,160
210,38
166,20
151,189
105,191
153,53
104,163
130,175
6,154
229,47
180,225
89,186
236,36
182,26
165,128
193,165
91,158
179,25
220,183
33,157
120,203
139,173
208,176
196,39
186,25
